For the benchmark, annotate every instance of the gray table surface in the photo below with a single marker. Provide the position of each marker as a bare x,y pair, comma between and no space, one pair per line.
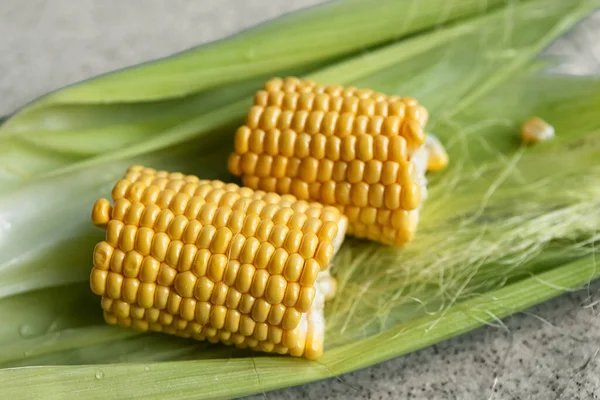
549,352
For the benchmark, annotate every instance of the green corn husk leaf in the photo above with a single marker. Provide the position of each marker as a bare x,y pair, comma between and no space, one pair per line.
498,233
98,117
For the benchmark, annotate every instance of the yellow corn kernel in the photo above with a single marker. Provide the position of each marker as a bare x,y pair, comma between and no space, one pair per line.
437,156
536,130
351,148
215,261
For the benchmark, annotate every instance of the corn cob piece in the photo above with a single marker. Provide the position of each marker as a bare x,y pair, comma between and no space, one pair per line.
358,150
215,261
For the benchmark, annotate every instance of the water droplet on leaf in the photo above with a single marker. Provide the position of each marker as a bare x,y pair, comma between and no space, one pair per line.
26,331
53,326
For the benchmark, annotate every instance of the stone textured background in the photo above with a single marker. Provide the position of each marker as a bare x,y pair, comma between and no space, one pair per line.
549,352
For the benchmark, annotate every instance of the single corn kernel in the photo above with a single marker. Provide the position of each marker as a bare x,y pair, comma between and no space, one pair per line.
354,149
240,267
437,156
536,130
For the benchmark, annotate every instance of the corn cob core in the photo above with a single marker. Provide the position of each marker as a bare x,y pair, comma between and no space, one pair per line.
216,262
360,151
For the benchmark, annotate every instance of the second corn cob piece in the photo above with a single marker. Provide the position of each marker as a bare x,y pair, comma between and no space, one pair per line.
361,151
